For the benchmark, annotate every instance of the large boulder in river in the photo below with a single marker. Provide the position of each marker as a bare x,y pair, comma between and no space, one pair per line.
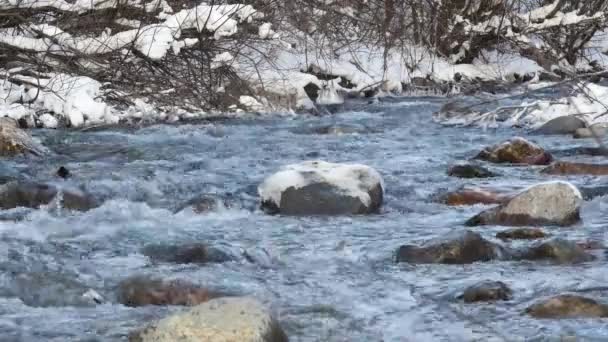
487,291
567,124
458,248
33,195
233,319
516,151
555,203
15,141
569,168
142,290
567,306
321,188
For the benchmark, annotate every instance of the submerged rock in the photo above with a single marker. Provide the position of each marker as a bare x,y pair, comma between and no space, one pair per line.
141,290
583,133
205,203
569,168
321,188
566,124
516,151
191,253
15,141
235,319
557,250
555,203
471,196
567,306
470,171
487,291
34,195
458,248
521,234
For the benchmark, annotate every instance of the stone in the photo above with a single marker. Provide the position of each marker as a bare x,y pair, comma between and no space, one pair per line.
521,234
566,124
487,291
236,319
15,141
321,188
554,203
189,253
558,251
567,306
33,195
470,171
457,248
471,196
142,290
569,168
516,151
585,133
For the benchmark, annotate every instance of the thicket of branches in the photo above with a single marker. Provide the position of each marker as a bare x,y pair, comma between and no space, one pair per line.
554,33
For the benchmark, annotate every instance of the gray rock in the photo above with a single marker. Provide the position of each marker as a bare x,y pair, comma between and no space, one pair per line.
33,195
239,319
457,248
470,171
487,291
15,141
584,133
556,203
566,124
558,251
190,253
567,306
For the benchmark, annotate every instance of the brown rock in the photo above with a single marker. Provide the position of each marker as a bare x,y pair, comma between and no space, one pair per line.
141,290
567,306
558,251
487,291
516,151
468,196
190,253
521,234
15,141
568,168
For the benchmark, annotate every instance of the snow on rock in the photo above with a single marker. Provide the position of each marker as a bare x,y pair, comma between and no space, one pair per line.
15,141
48,121
265,31
329,96
251,104
322,188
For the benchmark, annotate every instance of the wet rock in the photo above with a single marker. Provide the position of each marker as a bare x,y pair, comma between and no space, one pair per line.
334,129
487,291
521,234
583,133
555,203
516,151
568,168
321,188
590,193
192,253
557,250
470,171
141,290
15,141
206,203
452,110
567,306
34,195
63,172
458,248
239,319
578,151
566,124
471,196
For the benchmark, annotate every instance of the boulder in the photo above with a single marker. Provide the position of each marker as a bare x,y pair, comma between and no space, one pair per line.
470,171
584,133
567,306
555,203
141,290
487,291
568,168
457,248
15,141
190,253
321,188
471,196
233,319
566,124
521,234
516,151
33,195
558,251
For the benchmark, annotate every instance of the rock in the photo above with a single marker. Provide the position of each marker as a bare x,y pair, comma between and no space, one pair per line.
568,168
33,195
48,121
141,290
516,151
64,173
555,203
578,151
557,250
191,253
583,133
453,109
521,234
458,248
470,171
205,203
487,291
566,124
471,196
321,188
15,141
234,319
590,193
567,306
334,129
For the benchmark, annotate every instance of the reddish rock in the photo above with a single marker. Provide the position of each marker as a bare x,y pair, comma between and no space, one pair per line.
568,168
516,151
470,196
139,291
521,234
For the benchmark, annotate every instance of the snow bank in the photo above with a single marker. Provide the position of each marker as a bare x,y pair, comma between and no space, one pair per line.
354,180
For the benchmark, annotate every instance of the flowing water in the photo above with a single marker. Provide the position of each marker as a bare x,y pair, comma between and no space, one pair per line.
327,278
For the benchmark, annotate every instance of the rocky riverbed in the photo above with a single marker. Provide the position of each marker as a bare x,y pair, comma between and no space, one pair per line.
126,233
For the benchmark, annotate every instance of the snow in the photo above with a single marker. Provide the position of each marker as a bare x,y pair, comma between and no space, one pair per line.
251,103
353,180
265,31
48,121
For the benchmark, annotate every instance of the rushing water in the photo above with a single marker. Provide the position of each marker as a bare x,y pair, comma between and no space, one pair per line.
327,278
